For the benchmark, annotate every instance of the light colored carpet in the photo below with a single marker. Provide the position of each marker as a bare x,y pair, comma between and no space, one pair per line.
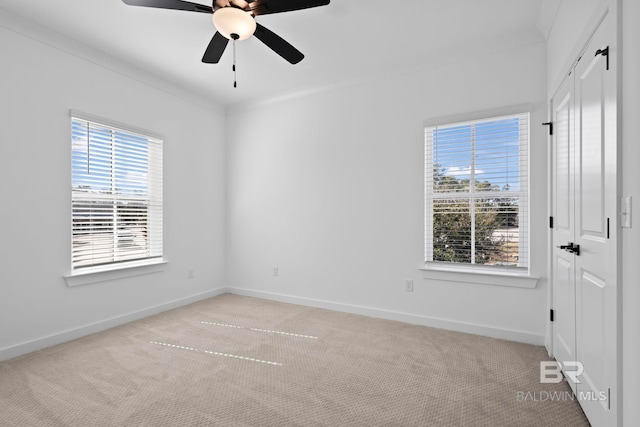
240,361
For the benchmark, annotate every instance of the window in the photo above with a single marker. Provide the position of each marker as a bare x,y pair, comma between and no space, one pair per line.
116,182
476,194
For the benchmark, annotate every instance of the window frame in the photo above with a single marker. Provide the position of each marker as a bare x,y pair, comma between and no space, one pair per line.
467,272
80,275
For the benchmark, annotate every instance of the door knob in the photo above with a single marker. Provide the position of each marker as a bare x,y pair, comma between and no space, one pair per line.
569,247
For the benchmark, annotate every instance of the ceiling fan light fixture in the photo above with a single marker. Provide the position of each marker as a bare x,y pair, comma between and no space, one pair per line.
230,20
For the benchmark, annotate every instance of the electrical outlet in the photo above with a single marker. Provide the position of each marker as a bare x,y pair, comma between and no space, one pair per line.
191,273
408,285
275,271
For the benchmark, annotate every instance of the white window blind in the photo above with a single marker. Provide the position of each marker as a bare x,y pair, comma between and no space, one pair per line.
476,193
116,195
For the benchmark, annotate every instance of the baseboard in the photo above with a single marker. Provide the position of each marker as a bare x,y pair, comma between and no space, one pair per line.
470,328
71,334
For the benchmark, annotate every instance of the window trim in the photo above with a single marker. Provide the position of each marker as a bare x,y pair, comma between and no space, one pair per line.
472,273
476,276
89,275
112,271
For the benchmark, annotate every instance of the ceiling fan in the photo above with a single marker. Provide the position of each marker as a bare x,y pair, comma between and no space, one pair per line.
235,20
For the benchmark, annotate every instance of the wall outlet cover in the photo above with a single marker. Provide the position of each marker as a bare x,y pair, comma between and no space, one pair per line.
408,285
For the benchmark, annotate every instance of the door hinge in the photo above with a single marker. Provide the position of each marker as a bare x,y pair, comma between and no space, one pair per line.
550,124
604,52
550,222
551,315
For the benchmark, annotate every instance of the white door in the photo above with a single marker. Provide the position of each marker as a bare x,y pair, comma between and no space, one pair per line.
563,212
595,228
584,207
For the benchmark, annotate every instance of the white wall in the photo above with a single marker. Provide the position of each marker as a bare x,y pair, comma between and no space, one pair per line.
329,187
570,33
39,83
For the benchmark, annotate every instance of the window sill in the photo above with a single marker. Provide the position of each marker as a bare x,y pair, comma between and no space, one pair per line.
510,279
91,275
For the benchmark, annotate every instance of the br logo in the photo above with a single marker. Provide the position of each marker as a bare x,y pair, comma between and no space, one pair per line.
551,371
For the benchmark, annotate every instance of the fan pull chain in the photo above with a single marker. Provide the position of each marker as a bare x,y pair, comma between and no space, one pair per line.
235,80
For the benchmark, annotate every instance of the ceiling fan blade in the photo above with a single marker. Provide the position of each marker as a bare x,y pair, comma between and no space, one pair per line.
265,7
215,49
171,4
278,44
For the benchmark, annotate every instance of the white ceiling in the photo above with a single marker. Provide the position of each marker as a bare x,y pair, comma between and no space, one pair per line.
346,41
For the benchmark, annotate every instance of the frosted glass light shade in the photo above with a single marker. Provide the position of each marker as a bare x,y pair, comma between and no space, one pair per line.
230,20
